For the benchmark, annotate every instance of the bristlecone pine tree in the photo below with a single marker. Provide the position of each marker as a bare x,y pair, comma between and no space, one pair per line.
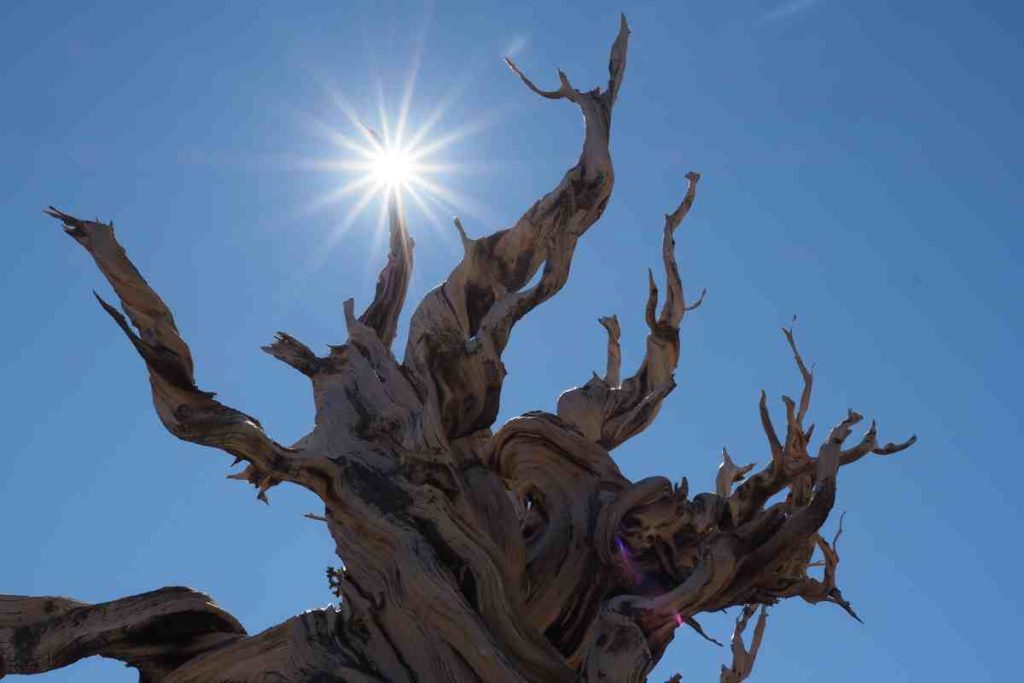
471,555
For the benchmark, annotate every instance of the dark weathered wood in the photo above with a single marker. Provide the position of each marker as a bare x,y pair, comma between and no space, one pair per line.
517,555
155,632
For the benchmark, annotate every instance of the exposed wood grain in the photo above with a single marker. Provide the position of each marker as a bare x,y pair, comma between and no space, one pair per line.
155,632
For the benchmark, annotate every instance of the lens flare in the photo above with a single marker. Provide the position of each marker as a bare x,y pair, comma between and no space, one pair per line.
392,160
393,168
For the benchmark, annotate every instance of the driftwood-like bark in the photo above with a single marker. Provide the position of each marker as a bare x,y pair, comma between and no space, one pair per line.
471,555
155,632
742,658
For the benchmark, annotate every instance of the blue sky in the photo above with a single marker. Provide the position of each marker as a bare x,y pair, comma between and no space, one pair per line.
861,166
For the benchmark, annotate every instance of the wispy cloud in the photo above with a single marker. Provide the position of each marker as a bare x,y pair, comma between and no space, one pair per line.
789,9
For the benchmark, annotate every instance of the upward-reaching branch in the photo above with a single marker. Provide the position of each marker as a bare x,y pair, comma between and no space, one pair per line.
186,411
742,658
460,329
608,412
393,283
791,465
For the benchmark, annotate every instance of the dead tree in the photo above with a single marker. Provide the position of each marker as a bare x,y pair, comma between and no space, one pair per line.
471,555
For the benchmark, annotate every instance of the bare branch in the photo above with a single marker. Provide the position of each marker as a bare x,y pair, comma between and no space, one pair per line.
617,62
610,413
742,658
824,590
462,233
791,465
891,448
674,307
459,330
778,461
614,364
290,350
393,283
651,309
565,90
695,625
186,411
178,634
869,444
729,473
39,634
807,375
810,514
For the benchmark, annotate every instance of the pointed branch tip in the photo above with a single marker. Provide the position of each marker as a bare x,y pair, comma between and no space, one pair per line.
890,448
561,93
694,306
462,231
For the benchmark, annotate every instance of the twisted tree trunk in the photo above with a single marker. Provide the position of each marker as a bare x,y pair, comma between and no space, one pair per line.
470,555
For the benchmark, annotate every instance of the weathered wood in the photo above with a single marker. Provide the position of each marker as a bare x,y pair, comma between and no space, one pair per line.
742,658
155,632
608,411
520,555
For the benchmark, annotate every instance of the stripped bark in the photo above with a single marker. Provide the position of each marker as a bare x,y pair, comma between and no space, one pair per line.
517,555
155,632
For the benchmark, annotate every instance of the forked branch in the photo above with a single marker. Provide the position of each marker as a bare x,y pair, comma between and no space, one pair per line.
742,658
791,465
609,412
459,330
186,411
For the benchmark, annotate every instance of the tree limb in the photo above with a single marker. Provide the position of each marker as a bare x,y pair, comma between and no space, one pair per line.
459,330
742,658
186,411
609,412
393,283
729,473
154,632
791,465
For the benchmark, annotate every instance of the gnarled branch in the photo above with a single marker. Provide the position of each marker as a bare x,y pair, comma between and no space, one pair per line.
609,412
393,283
186,411
459,330
154,632
791,465
742,658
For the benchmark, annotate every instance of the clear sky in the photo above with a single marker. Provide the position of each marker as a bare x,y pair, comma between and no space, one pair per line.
862,170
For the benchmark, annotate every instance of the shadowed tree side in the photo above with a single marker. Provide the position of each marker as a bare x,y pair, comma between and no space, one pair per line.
517,555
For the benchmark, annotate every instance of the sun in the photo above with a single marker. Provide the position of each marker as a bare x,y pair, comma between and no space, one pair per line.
385,165
394,163
393,168
390,165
